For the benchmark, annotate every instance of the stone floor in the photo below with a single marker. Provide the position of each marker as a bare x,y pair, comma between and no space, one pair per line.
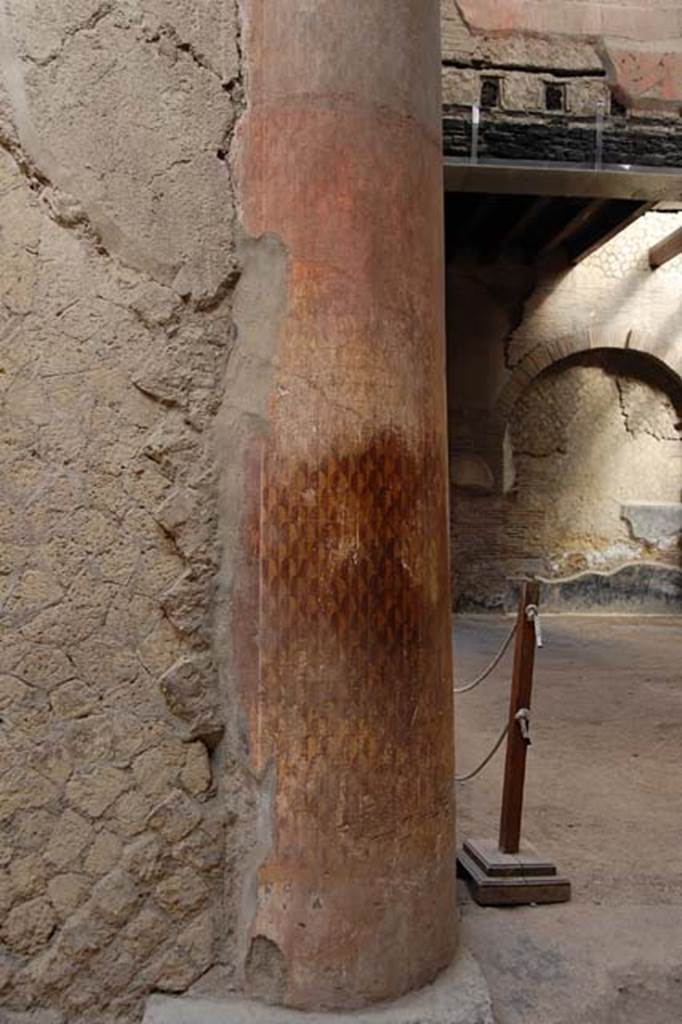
604,800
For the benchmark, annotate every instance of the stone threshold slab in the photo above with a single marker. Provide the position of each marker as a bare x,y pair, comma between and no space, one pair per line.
459,996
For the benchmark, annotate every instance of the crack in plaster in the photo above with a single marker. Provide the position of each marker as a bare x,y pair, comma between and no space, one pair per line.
85,26
167,31
89,218
465,21
623,410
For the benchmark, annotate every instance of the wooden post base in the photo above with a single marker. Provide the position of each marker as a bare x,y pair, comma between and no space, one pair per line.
508,879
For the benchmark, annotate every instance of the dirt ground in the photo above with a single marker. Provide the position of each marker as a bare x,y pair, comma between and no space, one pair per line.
604,800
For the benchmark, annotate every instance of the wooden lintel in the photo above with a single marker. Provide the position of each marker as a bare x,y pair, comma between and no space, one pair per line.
666,250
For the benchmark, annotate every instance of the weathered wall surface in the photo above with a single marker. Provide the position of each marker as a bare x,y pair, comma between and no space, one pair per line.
562,420
521,64
639,40
117,264
635,44
543,72
588,439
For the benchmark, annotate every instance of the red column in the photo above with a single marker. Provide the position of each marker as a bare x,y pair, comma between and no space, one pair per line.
342,624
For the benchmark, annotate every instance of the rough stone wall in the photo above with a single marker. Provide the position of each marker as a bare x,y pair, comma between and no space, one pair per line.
543,72
521,64
639,39
117,268
564,407
633,46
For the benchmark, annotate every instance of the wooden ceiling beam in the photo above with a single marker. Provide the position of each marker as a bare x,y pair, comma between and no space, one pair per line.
535,210
666,250
577,254
480,208
576,223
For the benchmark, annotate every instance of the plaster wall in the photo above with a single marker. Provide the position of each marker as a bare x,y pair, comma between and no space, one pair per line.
117,268
564,408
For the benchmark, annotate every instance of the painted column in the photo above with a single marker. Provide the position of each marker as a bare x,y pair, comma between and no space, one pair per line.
341,623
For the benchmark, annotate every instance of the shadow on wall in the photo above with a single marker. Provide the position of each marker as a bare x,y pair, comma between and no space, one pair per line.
593,483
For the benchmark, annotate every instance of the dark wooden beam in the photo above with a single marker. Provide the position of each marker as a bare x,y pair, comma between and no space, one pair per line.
535,209
576,223
666,250
577,254
479,210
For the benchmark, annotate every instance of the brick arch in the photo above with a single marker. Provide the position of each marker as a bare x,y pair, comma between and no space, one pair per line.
590,339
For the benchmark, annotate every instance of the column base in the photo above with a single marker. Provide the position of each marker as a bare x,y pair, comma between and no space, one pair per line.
458,996
499,879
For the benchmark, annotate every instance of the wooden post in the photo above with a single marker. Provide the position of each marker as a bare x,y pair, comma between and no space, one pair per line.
517,746
503,874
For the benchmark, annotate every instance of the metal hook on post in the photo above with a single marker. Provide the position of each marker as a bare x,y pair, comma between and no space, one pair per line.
522,716
533,615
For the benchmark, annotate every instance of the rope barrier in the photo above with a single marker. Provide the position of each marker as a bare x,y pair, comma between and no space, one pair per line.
522,717
492,666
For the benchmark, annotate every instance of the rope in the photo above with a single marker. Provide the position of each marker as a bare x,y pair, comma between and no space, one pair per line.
492,666
523,715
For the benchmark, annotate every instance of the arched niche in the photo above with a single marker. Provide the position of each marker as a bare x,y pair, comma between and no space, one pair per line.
588,472
649,347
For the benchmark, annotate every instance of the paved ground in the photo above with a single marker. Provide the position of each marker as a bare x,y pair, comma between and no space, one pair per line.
604,800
